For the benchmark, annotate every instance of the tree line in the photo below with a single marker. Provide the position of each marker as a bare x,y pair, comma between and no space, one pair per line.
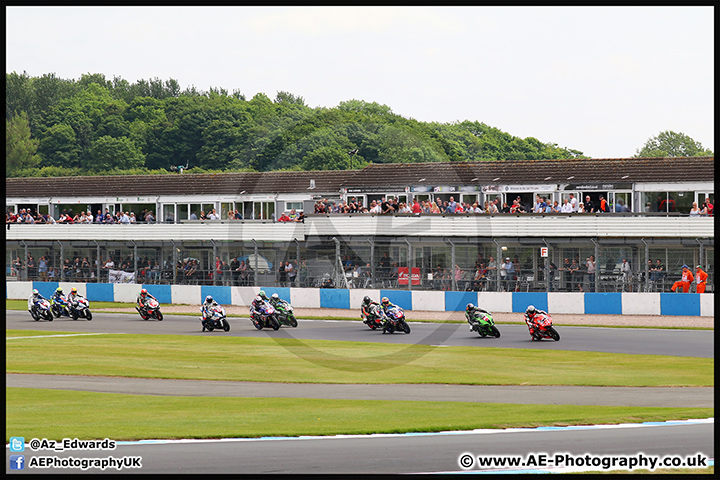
64,127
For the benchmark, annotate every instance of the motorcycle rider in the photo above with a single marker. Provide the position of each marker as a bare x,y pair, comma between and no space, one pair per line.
365,308
209,304
34,298
142,299
386,305
532,318
470,312
59,298
275,300
256,305
73,297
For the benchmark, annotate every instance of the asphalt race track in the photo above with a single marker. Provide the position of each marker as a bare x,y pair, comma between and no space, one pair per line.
684,343
403,453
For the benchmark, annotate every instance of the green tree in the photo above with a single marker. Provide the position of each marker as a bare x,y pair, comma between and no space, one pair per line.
20,147
671,144
18,94
326,158
371,109
286,97
49,90
109,153
59,147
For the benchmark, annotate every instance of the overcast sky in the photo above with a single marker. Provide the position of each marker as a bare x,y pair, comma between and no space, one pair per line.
602,80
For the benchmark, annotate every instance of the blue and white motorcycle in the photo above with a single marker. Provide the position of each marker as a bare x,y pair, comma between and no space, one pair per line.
40,308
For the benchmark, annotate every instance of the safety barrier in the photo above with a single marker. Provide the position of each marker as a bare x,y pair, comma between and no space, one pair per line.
611,303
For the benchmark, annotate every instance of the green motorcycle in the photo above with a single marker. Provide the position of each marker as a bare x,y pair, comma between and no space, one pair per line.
284,312
483,324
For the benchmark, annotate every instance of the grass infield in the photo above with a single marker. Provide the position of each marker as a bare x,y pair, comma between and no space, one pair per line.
40,413
324,361
58,414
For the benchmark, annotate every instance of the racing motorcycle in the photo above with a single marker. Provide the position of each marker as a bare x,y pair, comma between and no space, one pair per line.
375,319
264,316
214,317
81,309
151,309
395,320
484,325
284,314
59,306
544,328
41,309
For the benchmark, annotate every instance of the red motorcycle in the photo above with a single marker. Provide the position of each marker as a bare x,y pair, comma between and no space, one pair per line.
151,309
374,319
543,325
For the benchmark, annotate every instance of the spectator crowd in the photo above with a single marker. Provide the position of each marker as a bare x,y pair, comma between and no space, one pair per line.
68,217
386,205
542,204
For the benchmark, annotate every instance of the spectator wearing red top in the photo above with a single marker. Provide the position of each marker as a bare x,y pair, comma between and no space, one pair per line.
708,207
284,218
416,208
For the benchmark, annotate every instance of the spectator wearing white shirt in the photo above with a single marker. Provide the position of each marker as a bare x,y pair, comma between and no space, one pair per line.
573,202
566,207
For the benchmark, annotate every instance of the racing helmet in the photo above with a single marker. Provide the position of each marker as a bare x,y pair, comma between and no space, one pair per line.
470,308
258,299
366,300
385,301
530,311
143,292
275,296
208,299
35,292
262,294
59,291
73,290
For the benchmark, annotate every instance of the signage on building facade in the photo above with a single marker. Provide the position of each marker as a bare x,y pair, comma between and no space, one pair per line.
518,188
599,186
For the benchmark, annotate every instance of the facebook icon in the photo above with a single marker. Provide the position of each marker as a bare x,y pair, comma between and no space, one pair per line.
17,462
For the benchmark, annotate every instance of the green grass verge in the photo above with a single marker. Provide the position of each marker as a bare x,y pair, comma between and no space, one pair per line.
216,357
58,414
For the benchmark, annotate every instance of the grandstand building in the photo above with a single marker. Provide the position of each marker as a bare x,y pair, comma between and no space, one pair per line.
347,249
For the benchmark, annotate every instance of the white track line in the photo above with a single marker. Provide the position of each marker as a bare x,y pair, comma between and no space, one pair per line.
484,431
65,335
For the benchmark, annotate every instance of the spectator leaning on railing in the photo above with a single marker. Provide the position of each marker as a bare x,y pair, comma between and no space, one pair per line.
542,205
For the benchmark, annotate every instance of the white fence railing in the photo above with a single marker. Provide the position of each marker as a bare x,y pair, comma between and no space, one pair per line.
551,226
